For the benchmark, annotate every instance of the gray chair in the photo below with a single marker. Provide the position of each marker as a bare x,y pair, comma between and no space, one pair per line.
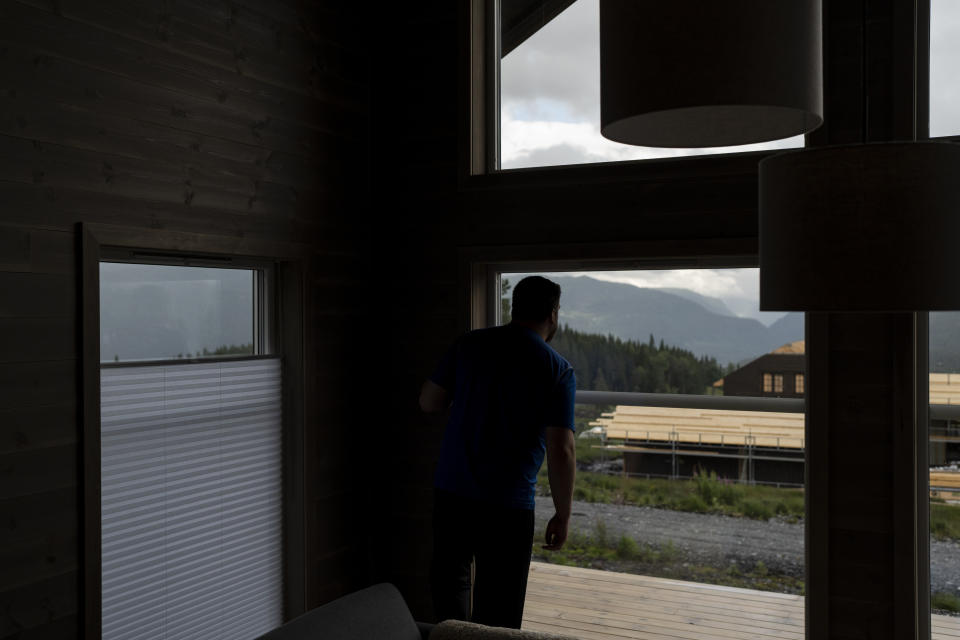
375,612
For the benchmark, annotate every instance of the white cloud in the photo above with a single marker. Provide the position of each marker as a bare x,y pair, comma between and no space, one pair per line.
739,288
716,283
556,72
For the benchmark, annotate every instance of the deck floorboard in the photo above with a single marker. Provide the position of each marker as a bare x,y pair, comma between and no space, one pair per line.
605,605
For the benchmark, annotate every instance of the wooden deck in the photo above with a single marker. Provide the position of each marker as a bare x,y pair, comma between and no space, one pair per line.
603,605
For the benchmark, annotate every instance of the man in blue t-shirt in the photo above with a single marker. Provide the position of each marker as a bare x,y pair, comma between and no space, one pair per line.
511,400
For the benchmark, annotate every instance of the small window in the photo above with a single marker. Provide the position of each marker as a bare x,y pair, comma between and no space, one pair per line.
191,528
778,383
768,383
173,312
798,383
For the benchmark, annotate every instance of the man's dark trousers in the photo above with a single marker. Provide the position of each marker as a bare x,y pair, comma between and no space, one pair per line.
500,540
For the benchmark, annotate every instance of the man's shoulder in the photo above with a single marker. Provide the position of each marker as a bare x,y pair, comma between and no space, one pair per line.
562,363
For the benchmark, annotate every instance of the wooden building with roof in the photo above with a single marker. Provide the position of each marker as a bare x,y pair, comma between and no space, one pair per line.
747,446
751,446
778,374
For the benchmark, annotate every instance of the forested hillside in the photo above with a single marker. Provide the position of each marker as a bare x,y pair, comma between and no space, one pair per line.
607,363
697,323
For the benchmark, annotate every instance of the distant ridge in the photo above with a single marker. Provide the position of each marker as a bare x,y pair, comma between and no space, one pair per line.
681,318
705,325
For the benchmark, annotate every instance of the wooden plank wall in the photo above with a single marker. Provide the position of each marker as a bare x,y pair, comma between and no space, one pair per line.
246,118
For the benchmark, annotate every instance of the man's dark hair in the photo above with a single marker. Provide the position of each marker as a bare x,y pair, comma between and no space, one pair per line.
534,299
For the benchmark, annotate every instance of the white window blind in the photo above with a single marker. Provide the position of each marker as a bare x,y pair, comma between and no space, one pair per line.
191,495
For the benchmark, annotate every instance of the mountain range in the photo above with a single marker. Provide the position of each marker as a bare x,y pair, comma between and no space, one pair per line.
705,325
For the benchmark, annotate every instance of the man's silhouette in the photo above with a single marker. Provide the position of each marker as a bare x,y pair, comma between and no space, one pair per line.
512,401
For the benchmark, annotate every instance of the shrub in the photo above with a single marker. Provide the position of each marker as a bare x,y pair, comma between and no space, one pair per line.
600,532
627,548
692,503
756,510
716,491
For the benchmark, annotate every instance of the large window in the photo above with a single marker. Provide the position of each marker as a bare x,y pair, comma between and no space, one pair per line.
673,488
190,453
550,91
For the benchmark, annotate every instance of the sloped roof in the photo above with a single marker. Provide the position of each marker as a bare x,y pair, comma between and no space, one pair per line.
795,347
705,426
791,348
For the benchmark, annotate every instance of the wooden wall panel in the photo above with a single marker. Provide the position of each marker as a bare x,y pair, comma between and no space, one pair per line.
247,119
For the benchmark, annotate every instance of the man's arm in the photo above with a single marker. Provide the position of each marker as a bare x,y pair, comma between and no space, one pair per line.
433,398
561,469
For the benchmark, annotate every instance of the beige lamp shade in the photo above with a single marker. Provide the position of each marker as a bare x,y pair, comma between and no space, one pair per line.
872,227
695,73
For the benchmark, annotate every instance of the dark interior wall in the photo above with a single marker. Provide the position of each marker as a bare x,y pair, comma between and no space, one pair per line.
247,119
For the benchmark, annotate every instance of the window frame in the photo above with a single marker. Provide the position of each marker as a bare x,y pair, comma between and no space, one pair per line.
482,266
767,383
266,335
480,135
287,259
876,69
478,266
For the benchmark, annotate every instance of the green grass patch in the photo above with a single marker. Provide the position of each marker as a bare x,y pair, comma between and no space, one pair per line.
627,548
626,555
944,521
942,601
705,493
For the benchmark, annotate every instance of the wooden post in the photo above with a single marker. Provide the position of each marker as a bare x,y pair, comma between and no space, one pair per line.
867,556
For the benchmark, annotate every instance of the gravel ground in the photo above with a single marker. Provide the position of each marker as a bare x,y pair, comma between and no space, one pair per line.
713,539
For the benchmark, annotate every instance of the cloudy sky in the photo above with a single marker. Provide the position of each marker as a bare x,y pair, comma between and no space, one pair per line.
550,99
738,288
550,114
550,93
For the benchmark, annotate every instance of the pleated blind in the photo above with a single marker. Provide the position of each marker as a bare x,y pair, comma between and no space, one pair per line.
191,538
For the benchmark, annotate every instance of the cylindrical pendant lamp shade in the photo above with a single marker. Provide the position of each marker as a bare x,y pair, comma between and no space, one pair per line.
872,227
690,73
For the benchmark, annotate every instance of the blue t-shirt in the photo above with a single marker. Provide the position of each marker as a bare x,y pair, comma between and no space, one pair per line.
507,385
